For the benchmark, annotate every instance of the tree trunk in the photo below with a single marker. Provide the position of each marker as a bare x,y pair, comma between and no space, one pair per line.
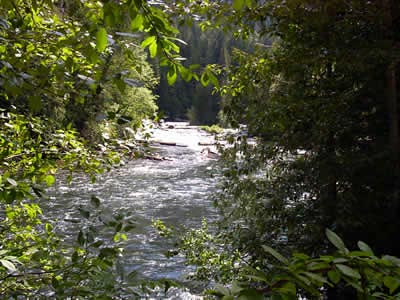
392,108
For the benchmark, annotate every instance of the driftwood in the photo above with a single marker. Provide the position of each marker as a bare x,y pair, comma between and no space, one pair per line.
206,143
159,158
171,144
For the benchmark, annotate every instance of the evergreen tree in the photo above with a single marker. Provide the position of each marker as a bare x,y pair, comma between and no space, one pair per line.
191,100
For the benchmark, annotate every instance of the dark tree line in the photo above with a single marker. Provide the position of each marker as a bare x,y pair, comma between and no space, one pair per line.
191,100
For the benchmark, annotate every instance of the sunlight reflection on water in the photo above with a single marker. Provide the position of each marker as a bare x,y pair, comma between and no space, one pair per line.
177,192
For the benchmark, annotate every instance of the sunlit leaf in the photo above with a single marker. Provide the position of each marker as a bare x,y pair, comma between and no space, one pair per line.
48,228
12,182
185,73
204,79
171,75
137,23
148,41
153,49
49,179
8,265
101,39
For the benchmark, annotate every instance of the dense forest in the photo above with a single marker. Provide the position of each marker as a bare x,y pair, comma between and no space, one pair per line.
309,204
192,100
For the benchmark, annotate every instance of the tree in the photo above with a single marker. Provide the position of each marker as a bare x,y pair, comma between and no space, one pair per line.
319,101
54,74
195,100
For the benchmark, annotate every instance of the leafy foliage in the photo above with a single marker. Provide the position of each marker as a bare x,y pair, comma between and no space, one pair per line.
370,277
317,134
62,60
59,61
35,262
319,147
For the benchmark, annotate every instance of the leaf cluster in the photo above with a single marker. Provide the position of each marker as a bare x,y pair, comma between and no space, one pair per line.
370,276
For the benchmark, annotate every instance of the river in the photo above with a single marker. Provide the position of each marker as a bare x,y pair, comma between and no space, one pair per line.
176,191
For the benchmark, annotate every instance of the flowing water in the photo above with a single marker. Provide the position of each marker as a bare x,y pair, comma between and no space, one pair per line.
176,191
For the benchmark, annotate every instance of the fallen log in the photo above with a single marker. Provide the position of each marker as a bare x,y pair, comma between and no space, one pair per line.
206,143
171,144
159,158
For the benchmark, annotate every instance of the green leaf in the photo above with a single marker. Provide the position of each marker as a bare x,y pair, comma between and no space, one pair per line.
8,265
12,182
101,39
35,103
171,75
137,23
250,294
148,41
204,79
185,73
238,4
236,287
249,3
275,254
108,252
335,240
49,228
116,237
153,49
315,277
288,288
394,260
49,179
194,67
340,260
364,247
221,290
213,79
334,276
346,270
317,266
392,283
